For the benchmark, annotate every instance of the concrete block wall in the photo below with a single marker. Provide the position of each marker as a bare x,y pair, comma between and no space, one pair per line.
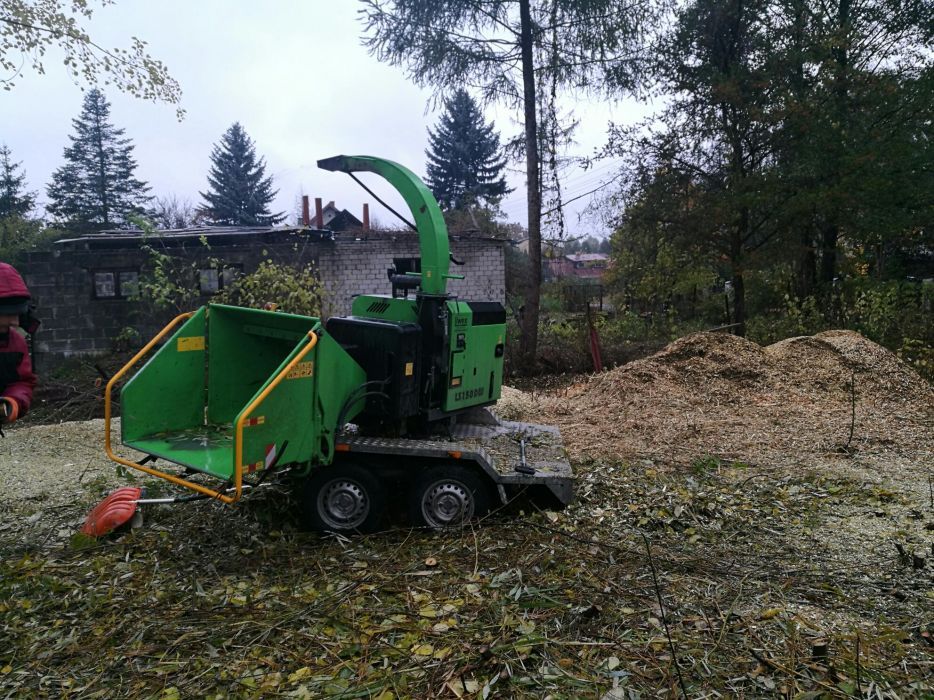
75,323
352,267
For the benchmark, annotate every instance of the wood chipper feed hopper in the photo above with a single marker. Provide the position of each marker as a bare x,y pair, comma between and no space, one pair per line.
389,399
232,391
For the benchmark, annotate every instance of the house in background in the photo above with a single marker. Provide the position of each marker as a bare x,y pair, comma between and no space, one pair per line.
335,219
584,266
580,278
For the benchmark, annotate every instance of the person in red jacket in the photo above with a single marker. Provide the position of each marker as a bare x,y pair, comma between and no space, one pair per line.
16,376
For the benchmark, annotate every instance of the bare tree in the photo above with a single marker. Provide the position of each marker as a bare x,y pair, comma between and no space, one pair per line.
172,212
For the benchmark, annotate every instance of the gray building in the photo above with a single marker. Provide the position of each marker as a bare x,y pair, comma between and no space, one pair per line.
85,288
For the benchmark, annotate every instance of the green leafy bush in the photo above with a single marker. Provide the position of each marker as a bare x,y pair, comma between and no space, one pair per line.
168,281
296,291
795,317
127,338
888,312
895,313
920,355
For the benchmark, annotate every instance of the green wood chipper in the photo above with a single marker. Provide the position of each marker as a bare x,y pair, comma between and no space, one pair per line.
388,400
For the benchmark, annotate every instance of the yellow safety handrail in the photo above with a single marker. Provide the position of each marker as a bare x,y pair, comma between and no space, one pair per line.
238,438
107,416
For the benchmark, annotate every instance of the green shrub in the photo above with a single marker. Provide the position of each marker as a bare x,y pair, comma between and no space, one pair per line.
19,236
127,338
296,291
168,281
888,312
796,317
920,355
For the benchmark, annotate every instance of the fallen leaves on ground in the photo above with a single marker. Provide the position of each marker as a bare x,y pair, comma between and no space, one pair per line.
715,573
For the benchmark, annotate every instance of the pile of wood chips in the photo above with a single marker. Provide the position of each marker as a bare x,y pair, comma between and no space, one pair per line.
718,395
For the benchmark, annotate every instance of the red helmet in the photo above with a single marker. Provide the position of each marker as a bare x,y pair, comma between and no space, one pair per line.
14,296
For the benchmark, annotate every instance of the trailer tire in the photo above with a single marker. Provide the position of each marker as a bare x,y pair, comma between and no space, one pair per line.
447,496
346,498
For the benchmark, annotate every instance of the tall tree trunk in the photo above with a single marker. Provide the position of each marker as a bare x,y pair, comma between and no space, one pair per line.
528,340
830,231
102,173
828,258
739,303
736,267
806,264
736,181
806,260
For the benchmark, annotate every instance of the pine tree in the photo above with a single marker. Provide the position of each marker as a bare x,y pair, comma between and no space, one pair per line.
96,188
14,199
465,163
17,232
240,193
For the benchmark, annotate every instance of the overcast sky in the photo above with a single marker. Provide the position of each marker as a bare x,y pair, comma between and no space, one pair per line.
294,74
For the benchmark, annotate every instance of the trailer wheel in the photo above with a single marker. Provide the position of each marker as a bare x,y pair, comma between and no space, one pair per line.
447,496
344,499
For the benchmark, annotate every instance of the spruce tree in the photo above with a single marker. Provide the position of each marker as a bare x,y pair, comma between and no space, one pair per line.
14,199
240,192
96,188
465,163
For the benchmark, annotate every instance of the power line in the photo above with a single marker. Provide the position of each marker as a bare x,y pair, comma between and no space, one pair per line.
574,195
573,199
579,181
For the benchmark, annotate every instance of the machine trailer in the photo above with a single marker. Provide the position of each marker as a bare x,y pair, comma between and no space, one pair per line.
362,412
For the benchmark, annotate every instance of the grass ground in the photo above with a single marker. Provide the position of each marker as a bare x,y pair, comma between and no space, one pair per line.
712,582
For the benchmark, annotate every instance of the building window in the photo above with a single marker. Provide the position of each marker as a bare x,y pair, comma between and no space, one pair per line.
128,284
116,284
104,285
213,279
210,281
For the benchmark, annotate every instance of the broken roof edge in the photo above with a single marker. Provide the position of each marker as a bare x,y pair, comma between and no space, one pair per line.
360,235
118,237
123,238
